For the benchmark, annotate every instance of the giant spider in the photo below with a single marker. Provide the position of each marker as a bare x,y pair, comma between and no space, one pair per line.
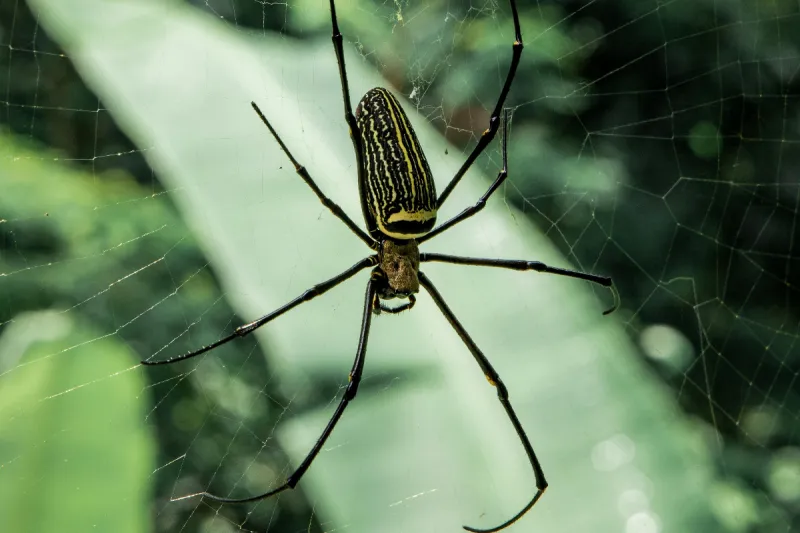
399,205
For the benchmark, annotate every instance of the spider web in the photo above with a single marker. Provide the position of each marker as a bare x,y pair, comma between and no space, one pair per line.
145,212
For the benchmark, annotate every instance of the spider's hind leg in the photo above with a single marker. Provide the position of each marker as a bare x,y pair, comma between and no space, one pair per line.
350,392
502,395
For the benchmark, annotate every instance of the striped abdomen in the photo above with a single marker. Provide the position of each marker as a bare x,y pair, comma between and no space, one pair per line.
401,195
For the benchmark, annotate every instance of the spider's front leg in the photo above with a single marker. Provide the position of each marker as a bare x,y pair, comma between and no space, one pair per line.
303,173
481,203
489,133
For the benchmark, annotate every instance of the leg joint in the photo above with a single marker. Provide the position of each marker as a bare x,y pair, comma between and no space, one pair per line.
538,266
502,391
292,480
311,293
352,389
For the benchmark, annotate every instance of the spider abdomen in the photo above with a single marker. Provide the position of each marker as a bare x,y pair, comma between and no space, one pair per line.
401,195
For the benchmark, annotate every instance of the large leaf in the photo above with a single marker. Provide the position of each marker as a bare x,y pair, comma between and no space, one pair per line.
426,454
75,457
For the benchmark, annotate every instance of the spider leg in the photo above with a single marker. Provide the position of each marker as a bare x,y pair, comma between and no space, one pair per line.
355,136
494,120
481,203
502,395
349,394
246,329
301,170
520,265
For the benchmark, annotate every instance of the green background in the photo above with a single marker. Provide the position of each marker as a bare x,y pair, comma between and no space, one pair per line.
146,211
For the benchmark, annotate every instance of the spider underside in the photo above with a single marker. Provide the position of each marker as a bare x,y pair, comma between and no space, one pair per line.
396,225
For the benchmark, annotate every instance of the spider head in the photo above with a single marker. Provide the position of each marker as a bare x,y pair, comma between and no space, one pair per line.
399,262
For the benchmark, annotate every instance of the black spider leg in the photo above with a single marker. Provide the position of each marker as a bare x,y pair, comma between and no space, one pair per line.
301,170
355,135
494,120
502,395
522,265
481,203
246,329
349,394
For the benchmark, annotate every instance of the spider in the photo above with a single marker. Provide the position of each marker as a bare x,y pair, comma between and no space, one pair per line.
399,206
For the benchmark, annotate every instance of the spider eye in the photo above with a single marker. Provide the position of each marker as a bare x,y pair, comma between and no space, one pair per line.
395,266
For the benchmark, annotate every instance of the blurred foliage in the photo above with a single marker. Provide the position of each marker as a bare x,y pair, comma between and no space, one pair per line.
67,240
91,445
683,115
684,118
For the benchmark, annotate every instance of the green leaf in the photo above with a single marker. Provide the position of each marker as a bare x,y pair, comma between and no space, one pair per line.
72,430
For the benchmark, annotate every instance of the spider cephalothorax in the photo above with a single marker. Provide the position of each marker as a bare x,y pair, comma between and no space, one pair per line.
399,260
399,205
